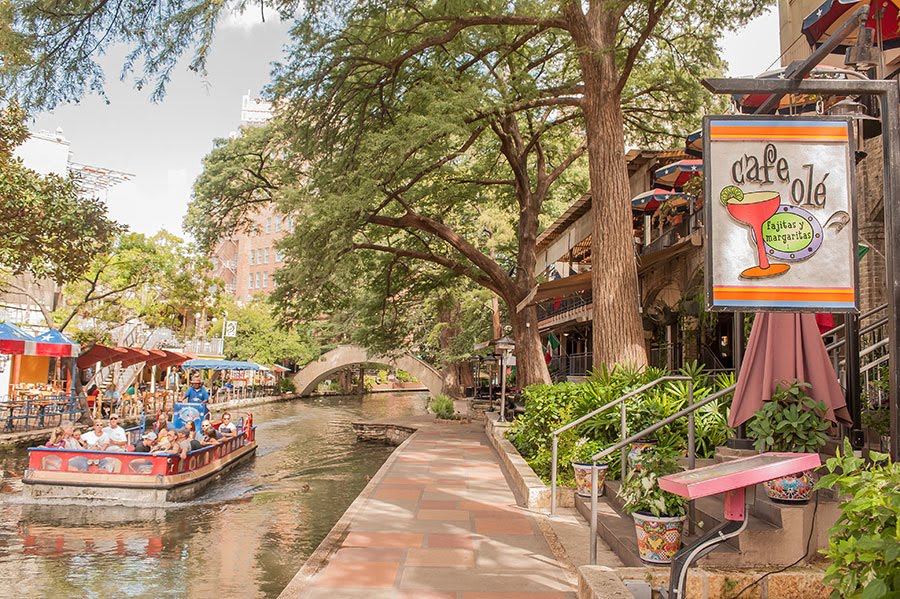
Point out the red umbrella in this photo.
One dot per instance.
(786, 346)
(649, 200)
(103, 354)
(56, 345)
(748, 103)
(831, 14)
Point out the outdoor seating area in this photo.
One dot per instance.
(25, 414)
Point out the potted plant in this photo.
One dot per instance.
(584, 450)
(658, 515)
(790, 421)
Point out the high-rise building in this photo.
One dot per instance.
(247, 259)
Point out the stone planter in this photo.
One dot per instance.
(583, 478)
(794, 488)
(658, 538)
(636, 452)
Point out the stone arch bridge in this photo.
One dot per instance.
(345, 356)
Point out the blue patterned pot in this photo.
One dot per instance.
(793, 488)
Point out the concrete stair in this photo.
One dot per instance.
(776, 534)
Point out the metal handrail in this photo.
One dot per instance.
(689, 412)
(624, 426)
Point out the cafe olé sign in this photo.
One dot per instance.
(780, 218)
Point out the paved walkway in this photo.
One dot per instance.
(438, 522)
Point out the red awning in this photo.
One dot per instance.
(134, 355)
(103, 354)
(172, 359)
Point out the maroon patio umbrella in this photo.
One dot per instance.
(785, 346)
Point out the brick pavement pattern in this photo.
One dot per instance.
(442, 523)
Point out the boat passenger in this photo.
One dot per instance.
(161, 422)
(210, 435)
(57, 439)
(74, 441)
(118, 440)
(184, 444)
(147, 442)
(227, 427)
(96, 439)
(196, 391)
(163, 443)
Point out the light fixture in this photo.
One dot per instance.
(861, 120)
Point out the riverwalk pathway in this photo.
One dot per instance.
(438, 521)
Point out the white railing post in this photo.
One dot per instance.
(553, 475)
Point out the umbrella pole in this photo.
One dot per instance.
(851, 351)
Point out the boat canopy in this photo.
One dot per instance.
(207, 364)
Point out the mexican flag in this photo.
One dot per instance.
(552, 343)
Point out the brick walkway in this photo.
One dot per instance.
(440, 522)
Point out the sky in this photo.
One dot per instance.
(162, 144)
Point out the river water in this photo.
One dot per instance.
(246, 537)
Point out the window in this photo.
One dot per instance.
(265, 280)
(251, 281)
(257, 281)
(278, 222)
(252, 257)
(267, 255)
(279, 257)
(290, 223)
(268, 225)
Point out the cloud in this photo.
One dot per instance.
(246, 19)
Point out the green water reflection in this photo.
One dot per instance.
(247, 537)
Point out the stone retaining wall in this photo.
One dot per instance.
(389, 434)
(530, 489)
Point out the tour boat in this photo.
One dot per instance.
(130, 477)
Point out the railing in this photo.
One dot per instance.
(674, 233)
(553, 308)
(689, 412)
(32, 414)
(620, 401)
(222, 395)
(207, 347)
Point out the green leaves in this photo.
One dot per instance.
(790, 421)
(641, 491)
(864, 544)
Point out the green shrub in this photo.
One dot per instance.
(442, 406)
(864, 543)
(790, 421)
(286, 385)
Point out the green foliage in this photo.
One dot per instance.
(46, 227)
(790, 421)
(287, 385)
(548, 407)
(641, 491)
(864, 543)
(585, 449)
(260, 337)
(442, 407)
(876, 412)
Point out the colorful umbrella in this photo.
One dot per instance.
(649, 200)
(56, 345)
(831, 14)
(693, 143)
(796, 103)
(677, 173)
(15, 341)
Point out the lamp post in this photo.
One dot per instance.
(504, 344)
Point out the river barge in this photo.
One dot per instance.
(129, 477)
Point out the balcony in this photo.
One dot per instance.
(559, 311)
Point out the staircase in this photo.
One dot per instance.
(776, 534)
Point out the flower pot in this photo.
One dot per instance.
(636, 452)
(658, 538)
(583, 478)
(793, 488)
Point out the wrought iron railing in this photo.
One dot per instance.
(556, 307)
(39, 413)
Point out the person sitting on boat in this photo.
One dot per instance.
(163, 443)
(147, 442)
(96, 439)
(193, 435)
(118, 440)
(74, 441)
(161, 423)
(57, 439)
(184, 443)
(227, 427)
(210, 435)
(196, 391)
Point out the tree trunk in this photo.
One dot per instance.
(617, 333)
(457, 376)
(531, 368)
(345, 382)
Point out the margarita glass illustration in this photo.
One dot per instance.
(753, 209)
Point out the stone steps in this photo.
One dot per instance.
(776, 534)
